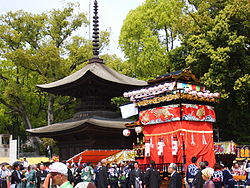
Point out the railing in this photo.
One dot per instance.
(162, 167)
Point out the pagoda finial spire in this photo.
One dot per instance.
(96, 37)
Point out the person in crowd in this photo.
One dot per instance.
(31, 177)
(217, 176)
(206, 175)
(25, 163)
(96, 171)
(130, 167)
(192, 169)
(175, 180)
(228, 180)
(70, 175)
(236, 169)
(41, 175)
(152, 176)
(24, 173)
(113, 174)
(136, 177)
(122, 176)
(102, 179)
(246, 168)
(87, 173)
(59, 175)
(4, 174)
(198, 180)
(77, 173)
(16, 178)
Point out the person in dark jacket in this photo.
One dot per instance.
(175, 180)
(198, 180)
(102, 180)
(152, 177)
(16, 177)
(41, 175)
(228, 180)
(136, 176)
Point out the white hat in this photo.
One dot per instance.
(59, 168)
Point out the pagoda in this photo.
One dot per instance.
(96, 124)
(176, 117)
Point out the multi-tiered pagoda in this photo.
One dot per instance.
(96, 124)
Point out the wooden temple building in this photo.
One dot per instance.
(96, 123)
(176, 117)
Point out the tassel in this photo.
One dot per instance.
(192, 139)
(151, 143)
(204, 139)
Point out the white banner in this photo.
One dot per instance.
(13, 151)
(128, 110)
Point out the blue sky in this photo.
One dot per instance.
(111, 12)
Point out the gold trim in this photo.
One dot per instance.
(178, 130)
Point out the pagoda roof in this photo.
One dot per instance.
(94, 76)
(183, 75)
(71, 125)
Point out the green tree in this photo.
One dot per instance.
(37, 49)
(148, 34)
(214, 45)
(218, 51)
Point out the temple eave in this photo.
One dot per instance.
(92, 74)
(87, 125)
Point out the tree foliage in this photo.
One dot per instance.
(218, 51)
(214, 45)
(148, 34)
(37, 49)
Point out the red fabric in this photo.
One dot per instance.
(204, 151)
(160, 114)
(92, 156)
(190, 112)
(195, 112)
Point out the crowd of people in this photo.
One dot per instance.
(220, 176)
(124, 175)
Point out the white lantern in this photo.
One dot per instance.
(210, 95)
(206, 95)
(138, 130)
(151, 89)
(125, 94)
(200, 94)
(194, 93)
(130, 94)
(187, 90)
(216, 95)
(126, 132)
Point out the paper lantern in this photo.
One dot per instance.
(161, 86)
(206, 95)
(210, 95)
(151, 89)
(138, 130)
(130, 94)
(200, 94)
(194, 93)
(125, 94)
(126, 132)
(187, 90)
(216, 95)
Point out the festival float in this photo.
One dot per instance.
(176, 116)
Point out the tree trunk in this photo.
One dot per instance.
(26, 119)
(50, 112)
